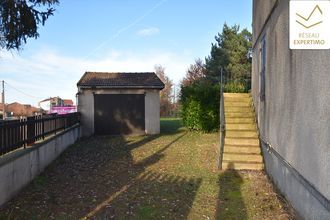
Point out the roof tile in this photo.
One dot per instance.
(120, 80)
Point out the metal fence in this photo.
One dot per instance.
(23, 132)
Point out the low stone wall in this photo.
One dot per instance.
(19, 168)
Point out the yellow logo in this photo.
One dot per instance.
(316, 8)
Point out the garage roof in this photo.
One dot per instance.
(121, 80)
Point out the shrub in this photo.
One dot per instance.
(200, 107)
(235, 87)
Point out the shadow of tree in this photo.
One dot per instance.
(99, 178)
(152, 195)
(171, 126)
(230, 203)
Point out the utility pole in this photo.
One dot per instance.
(174, 102)
(3, 101)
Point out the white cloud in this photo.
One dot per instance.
(48, 73)
(148, 31)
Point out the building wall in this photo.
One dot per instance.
(152, 112)
(86, 108)
(294, 119)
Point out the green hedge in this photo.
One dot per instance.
(200, 107)
(237, 86)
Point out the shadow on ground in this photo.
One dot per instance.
(230, 203)
(98, 178)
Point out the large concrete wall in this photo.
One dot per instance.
(295, 116)
(86, 108)
(17, 169)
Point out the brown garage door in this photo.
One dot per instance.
(119, 114)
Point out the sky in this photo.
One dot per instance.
(115, 36)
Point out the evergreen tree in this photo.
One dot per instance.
(230, 52)
(19, 20)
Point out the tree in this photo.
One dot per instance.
(20, 20)
(194, 73)
(166, 93)
(200, 89)
(230, 52)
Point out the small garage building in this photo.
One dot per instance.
(119, 103)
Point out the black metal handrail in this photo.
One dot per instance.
(24, 132)
(222, 123)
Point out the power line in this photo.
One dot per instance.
(24, 93)
(120, 31)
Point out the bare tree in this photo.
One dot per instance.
(165, 94)
(195, 72)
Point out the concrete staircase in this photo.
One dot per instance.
(242, 148)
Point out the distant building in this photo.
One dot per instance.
(1, 110)
(47, 104)
(16, 110)
(67, 102)
(290, 90)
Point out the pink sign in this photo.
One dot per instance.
(62, 110)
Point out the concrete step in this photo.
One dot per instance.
(239, 114)
(237, 95)
(238, 99)
(231, 109)
(242, 149)
(242, 141)
(241, 127)
(242, 157)
(242, 165)
(241, 134)
(247, 120)
(237, 104)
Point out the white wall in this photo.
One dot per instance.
(86, 108)
(152, 112)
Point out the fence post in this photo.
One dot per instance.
(43, 127)
(30, 130)
(55, 118)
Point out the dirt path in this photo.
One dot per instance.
(168, 176)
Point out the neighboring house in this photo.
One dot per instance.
(119, 103)
(21, 110)
(67, 102)
(291, 93)
(66, 108)
(62, 110)
(16, 110)
(1, 110)
(47, 104)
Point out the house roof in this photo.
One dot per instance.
(121, 80)
(67, 102)
(20, 109)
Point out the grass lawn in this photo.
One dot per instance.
(167, 176)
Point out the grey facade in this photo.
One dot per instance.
(291, 95)
(86, 96)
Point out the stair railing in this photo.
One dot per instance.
(222, 123)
